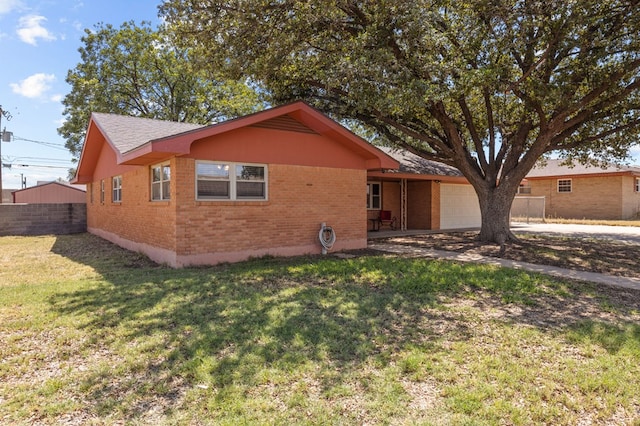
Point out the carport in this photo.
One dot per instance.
(422, 195)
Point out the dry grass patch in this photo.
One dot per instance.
(585, 254)
(112, 338)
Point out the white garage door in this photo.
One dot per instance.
(459, 207)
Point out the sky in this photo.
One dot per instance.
(39, 42)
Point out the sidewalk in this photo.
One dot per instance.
(626, 282)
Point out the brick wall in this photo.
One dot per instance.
(590, 197)
(42, 219)
(136, 218)
(300, 198)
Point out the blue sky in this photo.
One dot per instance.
(39, 43)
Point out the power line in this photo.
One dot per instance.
(48, 144)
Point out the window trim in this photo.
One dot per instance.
(163, 196)
(637, 184)
(566, 182)
(116, 189)
(102, 191)
(370, 196)
(233, 181)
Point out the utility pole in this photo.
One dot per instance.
(6, 137)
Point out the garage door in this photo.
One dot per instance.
(459, 207)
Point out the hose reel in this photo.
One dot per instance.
(327, 237)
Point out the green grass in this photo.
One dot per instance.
(91, 333)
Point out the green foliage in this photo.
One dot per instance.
(488, 87)
(136, 70)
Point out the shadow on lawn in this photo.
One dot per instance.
(235, 326)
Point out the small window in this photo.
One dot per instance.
(524, 188)
(564, 185)
(116, 193)
(160, 182)
(373, 196)
(638, 184)
(102, 192)
(230, 181)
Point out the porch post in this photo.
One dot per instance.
(403, 204)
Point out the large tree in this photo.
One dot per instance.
(487, 86)
(135, 70)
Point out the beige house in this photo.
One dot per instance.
(583, 192)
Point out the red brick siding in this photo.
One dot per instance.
(136, 218)
(590, 197)
(300, 198)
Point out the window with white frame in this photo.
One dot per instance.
(374, 195)
(102, 191)
(230, 181)
(638, 184)
(524, 188)
(116, 189)
(564, 185)
(160, 182)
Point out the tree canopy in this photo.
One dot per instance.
(486, 86)
(136, 70)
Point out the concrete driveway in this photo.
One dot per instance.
(626, 234)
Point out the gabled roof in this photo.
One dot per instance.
(555, 168)
(54, 182)
(126, 133)
(139, 141)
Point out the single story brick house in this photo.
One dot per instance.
(583, 192)
(50, 193)
(258, 185)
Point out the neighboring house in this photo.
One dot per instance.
(50, 193)
(258, 185)
(582, 192)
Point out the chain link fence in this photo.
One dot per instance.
(528, 209)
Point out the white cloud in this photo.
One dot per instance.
(33, 86)
(30, 29)
(7, 6)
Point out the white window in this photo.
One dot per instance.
(160, 182)
(524, 188)
(638, 184)
(564, 185)
(230, 181)
(116, 186)
(102, 192)
(373, 196)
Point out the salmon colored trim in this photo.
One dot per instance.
(181, 144)
(585, 175)
(170, 258)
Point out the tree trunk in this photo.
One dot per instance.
(495, 208)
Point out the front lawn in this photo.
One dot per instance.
(90, 333)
